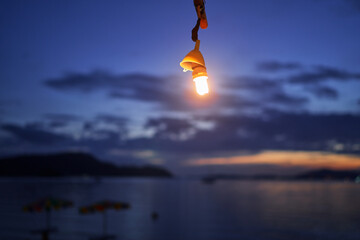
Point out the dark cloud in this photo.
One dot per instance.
(276, 66)
(170, 127)
(265, 92)
(273, 131)
(100, 143)
(310, 77)
(288, 131)
(171, 93)
(323, 91)
(168, 92)
(188, 101)
(35, 125)
(37, 137)
(166, 98)
(288, 100)
(57, 124)
(111, 119)
(47, 124)
(58, 120)
(323, 73)
(104, 128)
(118, 125)
(179, 138)
(33, 133)
(100, 80)
(88, 126)
(252, 83)
(237, 94)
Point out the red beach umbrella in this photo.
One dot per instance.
(102, 207)
(47, 205)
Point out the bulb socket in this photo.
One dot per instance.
(199, 71)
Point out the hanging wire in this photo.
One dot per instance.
(195, 30)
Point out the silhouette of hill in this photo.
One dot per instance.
(322, 174)
(327, 174)
(71, 164)
(212, 178)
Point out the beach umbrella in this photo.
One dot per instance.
(102, 207)
(47, 205)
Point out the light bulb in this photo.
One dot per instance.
(201, 85)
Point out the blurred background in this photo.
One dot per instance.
(94, 106)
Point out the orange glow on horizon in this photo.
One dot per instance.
(286, 158)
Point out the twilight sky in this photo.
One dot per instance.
(104, 77)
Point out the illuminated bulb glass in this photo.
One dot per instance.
(201, 85)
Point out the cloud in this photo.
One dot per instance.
(323, 91)
(172, 128)
(103, 128)
(175, 140)
(275, 130)
(33, 133)
(111, 119)
(127, 85)
(323, 73)
(276, 66)
(58, 120)
(242, 94)
(166, 98)
(57, 124)
(252, 83)
(310, 77)
(52, 121)
(278, 130)
(40, 137)
(172, 93)
(107, 125)
(167, 92)
(285, 99)
(265, 92)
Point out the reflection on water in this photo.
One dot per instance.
(188, 209)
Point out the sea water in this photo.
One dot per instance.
(187, 209)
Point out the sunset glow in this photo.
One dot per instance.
(286, 158)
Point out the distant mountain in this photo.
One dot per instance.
(212, 178)
(72, 164)
(327, 174)
(322, 174)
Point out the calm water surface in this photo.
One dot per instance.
(188, 210)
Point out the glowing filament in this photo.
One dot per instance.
(201, 85)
